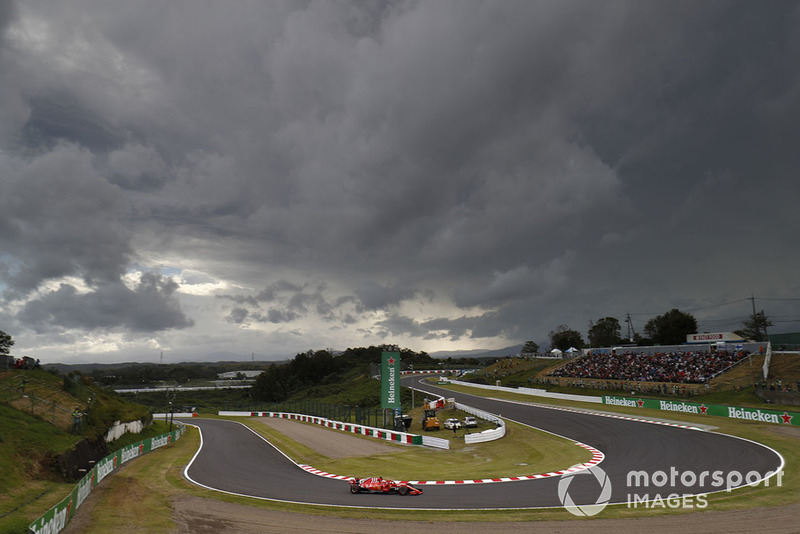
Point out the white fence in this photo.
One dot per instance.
(486, 435)
(479, 437)
(439, 443)
(534, 391)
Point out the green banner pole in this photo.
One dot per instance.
(390, 380)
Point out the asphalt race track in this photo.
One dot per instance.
(234, 459)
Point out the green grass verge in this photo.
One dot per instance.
(738, 499)
(137, 498)
(785, 440)
(523, 451)
(26, 445)
(166, 464)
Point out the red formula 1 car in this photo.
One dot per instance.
(382, 485)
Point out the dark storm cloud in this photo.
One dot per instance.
(238, 315)
(275, 290)
(501, 167)
(285, 302)
(149, 307)
(56, 118)
(485, 325)
(62, 219)
(373, 296)
(7, 15)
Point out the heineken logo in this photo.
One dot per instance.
(55, 523)
(624, 402)
(390, 383)
(105, 467)
(680, 407)
(84, 488)
(392, 388)
(159, 442)
(736, 412)
(129, 454)
(758, 415)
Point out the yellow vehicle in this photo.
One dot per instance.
(430, 421)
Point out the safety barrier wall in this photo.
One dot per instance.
(735, 412)
(56, 518)
(486, 435)
(378, 433)
(534, 392)
(438, 443)
(173, 415)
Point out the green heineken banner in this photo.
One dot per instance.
(57, 517)
(390, 380)
(748, 414)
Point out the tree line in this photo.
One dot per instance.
(670, 328)
(315, 368)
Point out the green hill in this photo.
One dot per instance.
(41, 451)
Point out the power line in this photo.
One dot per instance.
(701, 308)
(717, 305)
(710, 306)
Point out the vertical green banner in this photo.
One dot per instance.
(390, 380)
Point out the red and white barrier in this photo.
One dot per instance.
(372, 432)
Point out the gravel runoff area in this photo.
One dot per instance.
(334, 444)
(195, 515)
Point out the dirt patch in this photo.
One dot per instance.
(331, 443)
(790, 431)
(198, 515)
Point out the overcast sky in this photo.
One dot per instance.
(221, 179)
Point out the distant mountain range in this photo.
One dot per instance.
(235, 362)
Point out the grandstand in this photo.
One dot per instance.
(674, 369)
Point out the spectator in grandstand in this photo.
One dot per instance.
(675, 366)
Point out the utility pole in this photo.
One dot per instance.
(411, 368)
(755, 320)
(631, 331)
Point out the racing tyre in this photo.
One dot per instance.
(354, 488)
(402, 490)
